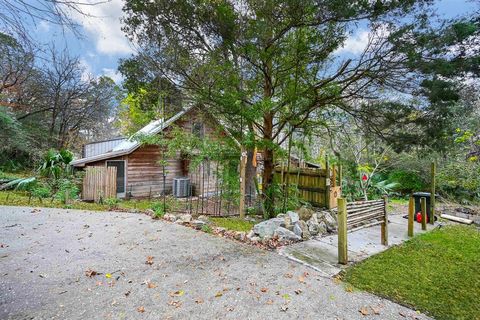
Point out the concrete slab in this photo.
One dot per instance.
(322, 253)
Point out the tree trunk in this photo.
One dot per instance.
(250, 174)
(268, 166)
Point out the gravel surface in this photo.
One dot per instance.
(45, 253)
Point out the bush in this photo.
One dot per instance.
(41, 191)
(407, 181)
(157, 208)
(459, 180)
(67, 190)
(112, 203)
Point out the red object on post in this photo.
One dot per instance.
(364, 177)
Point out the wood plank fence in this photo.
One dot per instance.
(359, 215)
(313, 185)
(99, 183)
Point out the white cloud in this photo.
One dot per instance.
(87, 72)
(114, 74)
(356, 43)
(44, 26)
(102, 22)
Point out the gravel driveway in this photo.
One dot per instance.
(45, 253)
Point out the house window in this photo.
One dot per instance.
(198, 130)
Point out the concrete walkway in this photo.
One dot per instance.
(322, 253)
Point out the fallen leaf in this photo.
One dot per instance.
(376, 310)
(364, 311)
(284, 308)
(175, 303)
(288, 275)
(402, 314)
(199, 300)
(90, 273)
(301, 279)
(286, 296)
(149, 260)
(349, 288)
(127, 293)
(298, 291)
(230, 308)
(269, 301)
(108, 275)
(151, 285)
(141, 309)
(264, 289)
(178, 293)
(218, 294)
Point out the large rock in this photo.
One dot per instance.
(301, 230)
(313, 226)
(267, 227)
(293, 216)
(329, 219)
(203, 218)
(185, 218)
(288, 223)
(170, 217)
(305, 213)
(198, 224)
(286, 235)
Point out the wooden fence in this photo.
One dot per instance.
(359, 215)
(99, 183)
(312, 184)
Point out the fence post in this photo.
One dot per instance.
(243, 164)
(384, 226)
(342, 231)
(327, 183)
(423, 203)
(411, 213)
(432, 195)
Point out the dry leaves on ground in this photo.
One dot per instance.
(90, 273)
(149, 260)
(178, 293)
(175, 303)
(141, 309)
(151, 285)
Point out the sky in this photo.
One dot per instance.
(102, 42)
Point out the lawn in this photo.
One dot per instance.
(437, 273)
(20, 198)
(235, 224)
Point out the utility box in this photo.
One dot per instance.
(181, 187)
(418, 207)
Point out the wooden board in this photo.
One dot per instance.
(99, 183)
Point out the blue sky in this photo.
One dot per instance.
(103, 43)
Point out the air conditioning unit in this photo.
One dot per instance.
(181, 187)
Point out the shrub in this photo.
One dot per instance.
(407, 181)
(41, 191)
(67, 190)
(157, 208)
(112, 203)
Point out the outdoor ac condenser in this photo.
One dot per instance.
(181, 187)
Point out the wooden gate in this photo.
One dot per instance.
(99, 183)
(312, 184)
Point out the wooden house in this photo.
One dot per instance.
(140, 172)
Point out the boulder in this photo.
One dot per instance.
(305, 213)
(293, 216)
(251, 234)
(322, 228)
(286, 235)
(203, 218)
(185, 217)
(313, 226)
(170, 217)
(198, 224)
(329, 219)
(288, 223)
(301, 230)
(239, 235)
(281, 215)
(267, 228)
(150, 212)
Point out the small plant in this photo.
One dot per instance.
(112, 203)
(41, 191)
(67, 190)
(158, 211)
(206, 228)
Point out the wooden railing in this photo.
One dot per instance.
(359, 215)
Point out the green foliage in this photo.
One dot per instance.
(206, 228)
(459, 180)
(112, 203)
(157, 208)
(25, 184)
(425, 271)
(67, 190)
(41, 191)
(235, 224)
(56, 164)
(406, 181)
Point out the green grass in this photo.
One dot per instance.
(235, 224)
(20, 198)
(437, 273)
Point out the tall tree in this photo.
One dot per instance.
(267, 66)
